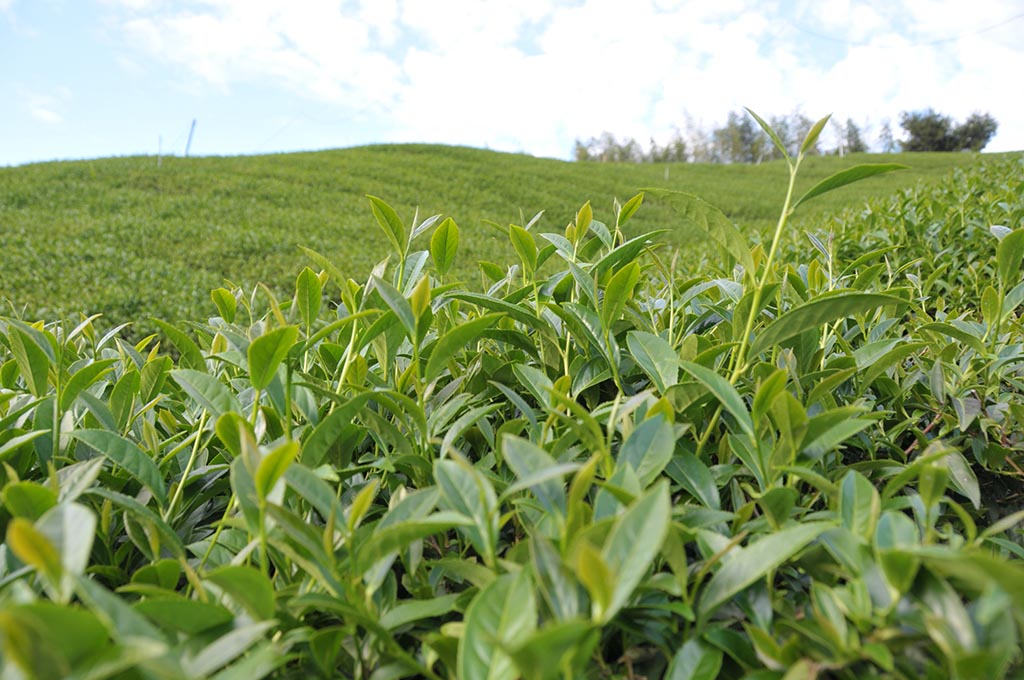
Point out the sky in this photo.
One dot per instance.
(97, 78)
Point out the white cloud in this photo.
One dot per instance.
(535, 74)
(46, 107)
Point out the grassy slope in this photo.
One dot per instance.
(130, 239)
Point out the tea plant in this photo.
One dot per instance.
(593, 467)
(132, 239)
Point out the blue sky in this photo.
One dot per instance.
(92, 78)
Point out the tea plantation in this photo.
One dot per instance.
(792, 453)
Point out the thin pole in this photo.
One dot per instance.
(191, 131)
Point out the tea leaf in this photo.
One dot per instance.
(308, 295)
(126, 454)
(444, 243)
(819, 312)
(267, 352)
(618, 292)
(389, 222)
(501, 617)
(742, 567)
(848, 176)
(458, 338)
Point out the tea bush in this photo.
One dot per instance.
(596, 467)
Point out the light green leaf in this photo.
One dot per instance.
(444, 243)
(772, 135)
(388, 220)
(459, 338)
(209, 392)
(859, 505)
(501, 616)
(408, 611)
(525, 246)
(191, 355)
(819, 312)
(812, 135)
(848, 176)
(247, 587)
(28, 499)
(618, 291)
(1009, 254)
(83, 378)
(308, 295)
(695, 660)
(267, 352)
(655, 357)
(33, 362)
(272, 467)
(724, 392)
(126, 454)
(634, 542)
(225, 302)
(398, 304)
(629, 209)
(742, 567)
(648, 449)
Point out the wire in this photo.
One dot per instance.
(923, 43)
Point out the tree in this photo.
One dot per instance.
(976, 132)
(931, 131)
(885, 140)
(852, 140)
(928, 131)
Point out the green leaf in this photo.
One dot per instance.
(191, 355)
(501, 616)
(385, 541)
(272, 467)
(695, 660)
(529, 462)
(126, 454)
(629, 209)
(398, 304)
(466, 491)
(714, 223)
(724, 392)
(648, 449)
(444, 243)
(655, 356)
(247, 587)
(813, 134)
(33, 362)
(34, 549)
(545, 653)
(860, 505)
(83, 378)
(694, 476)
(308, 295)
(28, 499)
(225, 302)
(388, 220)
(743, 566)
(49, 640)
(451, 343)
(408, 611)
(819, 312)
(267, 352)
(618, 291)
(634, 542)
(180, 614)
(1009, 254)
(772, 135)
(331, 429)
(209, 392)
(525, 246)
(848, 176)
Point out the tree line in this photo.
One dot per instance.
(741, 140)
